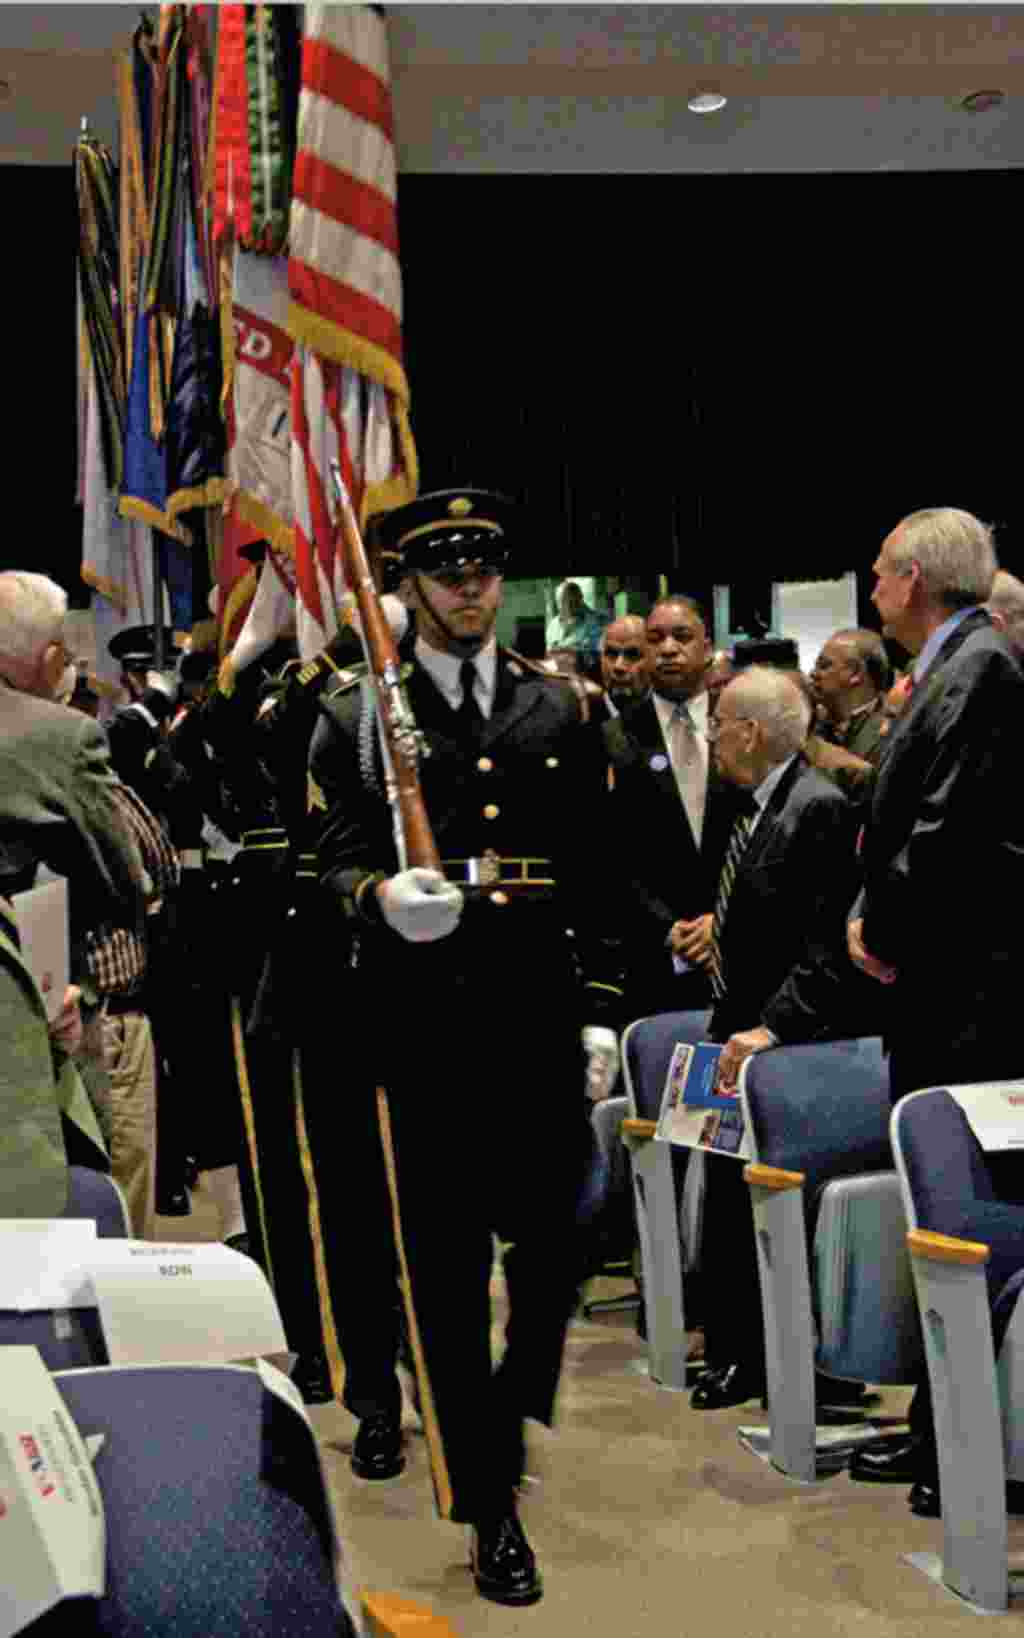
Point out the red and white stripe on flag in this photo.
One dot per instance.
(350, 397)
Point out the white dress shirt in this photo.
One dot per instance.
(687, 747)
(444, 669)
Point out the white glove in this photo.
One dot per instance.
(420, 905)
(602, 1048)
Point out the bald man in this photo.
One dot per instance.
(626, 662)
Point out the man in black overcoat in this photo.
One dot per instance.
(943, 857)
(473, 990)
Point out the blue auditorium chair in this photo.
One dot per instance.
(71, 1337)
(967, 1255)
(657, 1170)
(823, 1178)
(606, 1209)
(217, 1518)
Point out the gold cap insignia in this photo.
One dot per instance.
(459, 507)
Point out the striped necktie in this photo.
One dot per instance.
(739, 840)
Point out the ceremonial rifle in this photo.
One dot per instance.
(404, 742)
(404, 745)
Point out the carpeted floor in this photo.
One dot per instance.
(649, 1520)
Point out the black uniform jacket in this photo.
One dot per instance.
(529, 787)
(943, 851)
(784, 937)
(665, 877)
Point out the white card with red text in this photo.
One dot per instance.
(52, 1529)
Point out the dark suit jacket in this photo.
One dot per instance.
(784, 938)
(662, 875)
(943, 862)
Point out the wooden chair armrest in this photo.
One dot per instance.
(639, 1130)
(772, 1177)
(945, 1248)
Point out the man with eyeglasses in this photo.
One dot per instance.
(775, 959)
(478, 1000)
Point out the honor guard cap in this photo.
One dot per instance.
(136, 648)
(449, 529)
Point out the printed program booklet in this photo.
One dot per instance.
(694, 1114)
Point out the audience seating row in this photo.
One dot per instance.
(217, 1515)
(860, 1214)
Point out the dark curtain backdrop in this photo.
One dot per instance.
(724, 378)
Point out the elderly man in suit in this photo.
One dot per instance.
(56, 781)
(947, 948)
(674, 813)
(1006, 607)
(775, 955)
(62, 805)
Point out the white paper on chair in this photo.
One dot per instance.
(43, 1263)
(52, 1528)
(995, 1113)
(42, 917)
(180, 1305)
(694, 1114)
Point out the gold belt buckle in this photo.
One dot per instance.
(489, 868)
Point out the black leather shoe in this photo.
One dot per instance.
(312, 1377)
(377, 1452)
(504, 1568)
(724, 1386)
(893, 1459)
(830, 1390)
(926, 1501)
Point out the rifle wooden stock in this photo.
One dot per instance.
(399, 729)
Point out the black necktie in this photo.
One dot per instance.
(738, 842)
(469, 717)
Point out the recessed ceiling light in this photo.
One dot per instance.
(706, 102)
(981, 102)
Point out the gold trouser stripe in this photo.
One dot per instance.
(431, 1427)
(249, 1118)
(335, 1363)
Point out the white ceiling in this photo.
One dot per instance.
(578, 88)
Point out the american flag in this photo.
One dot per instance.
(349, 392)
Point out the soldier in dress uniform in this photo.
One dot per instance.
(480, 994)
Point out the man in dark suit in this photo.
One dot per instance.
(482, 994)
(775, 958)
(943, 856)
(673, 813)
(625, 663)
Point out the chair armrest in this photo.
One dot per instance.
(945, 1248)
(638, 1131)
(772, 1177)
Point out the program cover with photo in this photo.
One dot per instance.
(694, 1113)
